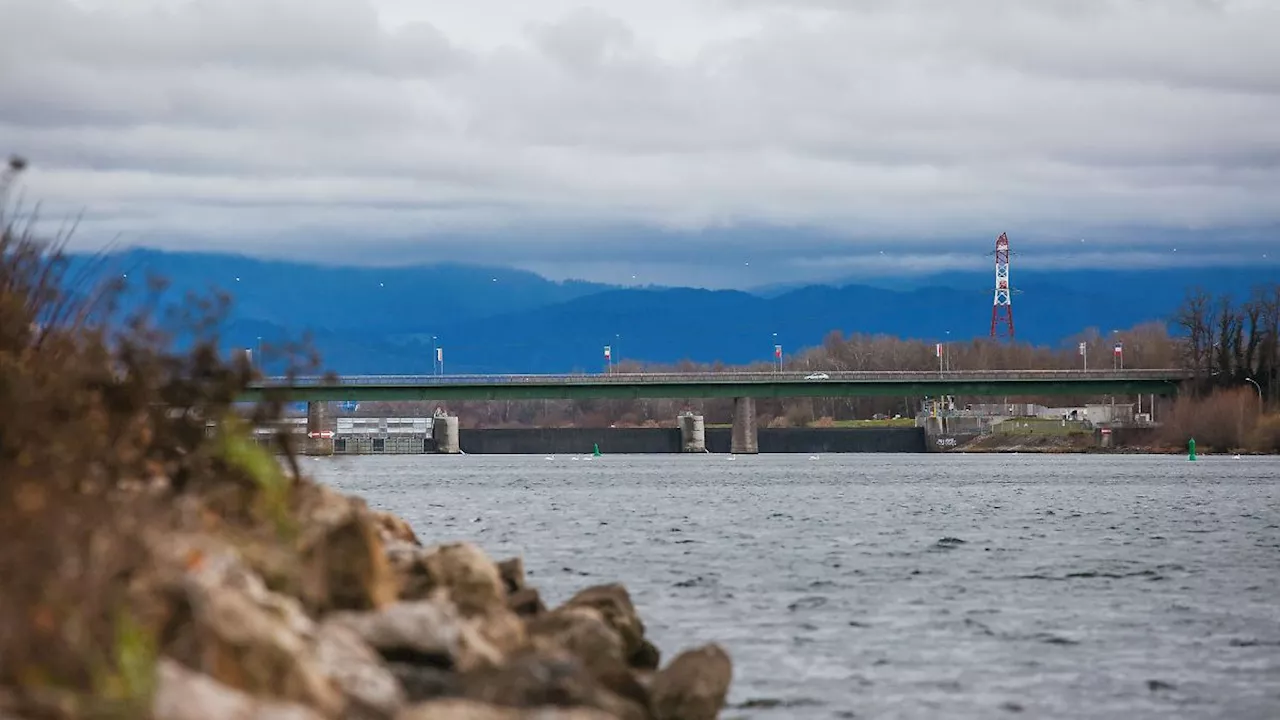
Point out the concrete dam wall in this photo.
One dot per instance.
(562, 441)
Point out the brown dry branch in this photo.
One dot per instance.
(101, 425)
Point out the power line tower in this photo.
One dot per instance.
(1002, 308)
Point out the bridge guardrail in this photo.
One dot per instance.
(732, 377)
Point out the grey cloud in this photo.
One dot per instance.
(277, 120)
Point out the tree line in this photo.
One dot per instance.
(1230, 342)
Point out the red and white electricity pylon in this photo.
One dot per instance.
(1002, 309)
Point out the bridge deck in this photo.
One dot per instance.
(726, 384)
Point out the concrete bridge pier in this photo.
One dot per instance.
(744, 440)
(693, 433)
(320, 429)
(444, 430)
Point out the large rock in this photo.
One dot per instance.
(470, 578)
(538, 678)
(457, 709)
(427, 633)
(344, 559)
(615, 606)
(230, 627)
(526, 602)
(583, 632)
(693, 686)
(394, 529)
(185, 695)
(227, 624)
(511, 571)
(373, 692)
(459, 570)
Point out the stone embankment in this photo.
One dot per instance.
(356, 618)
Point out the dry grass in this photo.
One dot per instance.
(1221, 421)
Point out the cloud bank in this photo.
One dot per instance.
(670, 133)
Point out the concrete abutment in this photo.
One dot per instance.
(745, 439)
(444, 431)
(320, 429)
(693, 433)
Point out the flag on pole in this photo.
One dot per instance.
(777, 351)
(439, 354)
(608, 352)
(1082, 348)
(1119, 349)
(939, 349)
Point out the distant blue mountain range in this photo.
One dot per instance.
(496, 320)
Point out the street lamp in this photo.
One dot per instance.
(1257, 387)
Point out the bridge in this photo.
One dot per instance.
(724, 385)
(742, 387)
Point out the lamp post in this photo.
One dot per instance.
(259, 356)
(435, 356)
(1257, 387)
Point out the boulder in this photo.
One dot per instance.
(614, 604)
(373, 692)
(344, 563)
(582, 632)
(512, 573)
(693, 686)
(526, 602)
(459, 570)
(427, 633)
(646, 657)
(542, 677)
(468, 575)
(181, 694)
(227, 625)
(394, 529)
(457, 709)
(421, 682)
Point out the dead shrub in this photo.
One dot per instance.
(1221, 421)
(1265, 437)
(102, 425)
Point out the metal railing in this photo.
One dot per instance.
(762, 377)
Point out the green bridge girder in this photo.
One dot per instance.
(726, 385)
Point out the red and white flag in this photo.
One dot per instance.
(939, 349)
(607, 352)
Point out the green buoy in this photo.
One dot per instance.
(596, 451)
(1191, 449)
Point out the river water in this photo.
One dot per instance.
(900, 586)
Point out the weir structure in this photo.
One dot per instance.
(742, 387)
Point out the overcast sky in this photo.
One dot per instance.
(701, 141)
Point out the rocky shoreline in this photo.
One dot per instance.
(330, 610)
